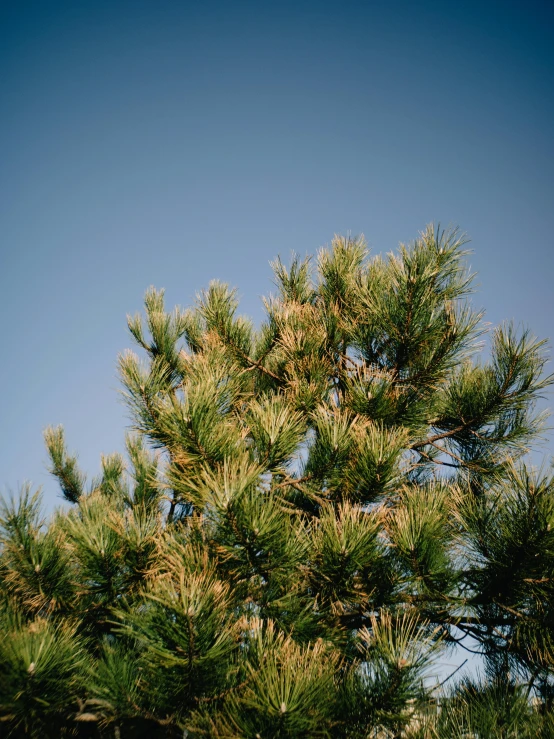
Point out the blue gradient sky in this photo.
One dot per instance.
(169, 143)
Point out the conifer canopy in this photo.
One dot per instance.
(310, 517)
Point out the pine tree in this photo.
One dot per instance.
(309, 516)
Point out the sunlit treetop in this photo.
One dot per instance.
(311, 514)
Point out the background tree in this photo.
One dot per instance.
(310, 514)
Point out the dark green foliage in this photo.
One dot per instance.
(41, 674)
(309, 517)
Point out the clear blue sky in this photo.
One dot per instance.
(169, 143)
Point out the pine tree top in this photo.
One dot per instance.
(309, 514)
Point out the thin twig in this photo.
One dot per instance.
(452, 673)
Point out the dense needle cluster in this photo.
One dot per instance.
(310, 515)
